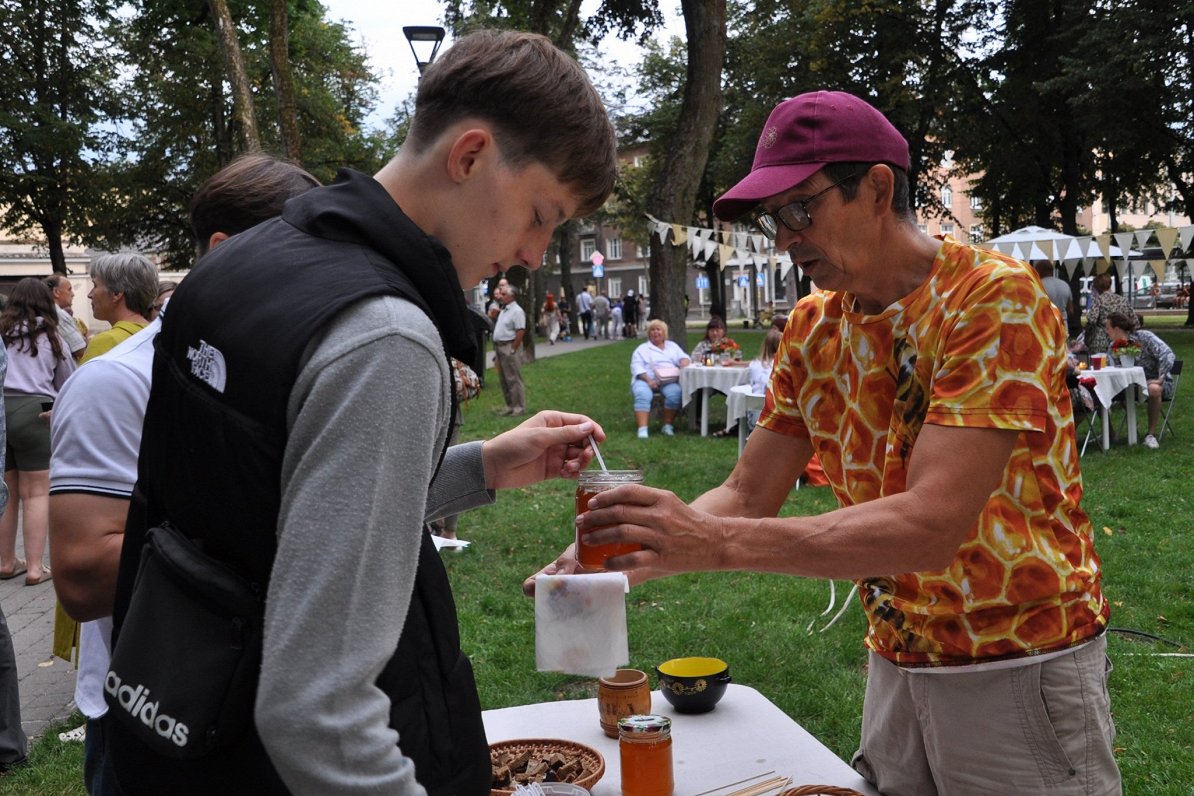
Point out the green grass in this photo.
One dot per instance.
(758, 622)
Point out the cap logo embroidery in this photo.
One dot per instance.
(770, 136)
(207, 365)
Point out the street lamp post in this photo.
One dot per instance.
(428, 37)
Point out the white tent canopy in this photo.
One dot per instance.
(1039, 243)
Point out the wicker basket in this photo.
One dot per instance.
(593, 761)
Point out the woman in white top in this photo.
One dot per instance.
(655, 367)
(39, 362)
(760, 370)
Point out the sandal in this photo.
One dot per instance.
(18, 568)
(726, 432)
(45, 575)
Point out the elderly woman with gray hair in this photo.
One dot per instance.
(124, 287)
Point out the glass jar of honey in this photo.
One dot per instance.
(645, 751)
(588, 484)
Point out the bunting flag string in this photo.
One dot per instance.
(1093, 254)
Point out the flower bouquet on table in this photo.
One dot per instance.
(725, 350)
(1125, 352)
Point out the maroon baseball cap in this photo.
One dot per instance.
(805, 133)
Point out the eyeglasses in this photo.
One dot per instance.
(794, 216)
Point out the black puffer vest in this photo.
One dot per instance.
(230, 350)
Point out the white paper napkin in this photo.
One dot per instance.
(448, 544)
(580, 623)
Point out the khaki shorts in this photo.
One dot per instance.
(1033, 729)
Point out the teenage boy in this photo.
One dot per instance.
(296, 424)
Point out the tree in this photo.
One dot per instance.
(674, 195)
(55, 88)
(180, 128)
(279, 61)
(234, 62)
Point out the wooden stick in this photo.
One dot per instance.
(732, 784)
(763, 787)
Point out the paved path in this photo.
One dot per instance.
(48, 683)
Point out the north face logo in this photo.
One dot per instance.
(207, 365)
(136, 702)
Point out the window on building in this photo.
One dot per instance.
(642, 286)
(947, 229)
(587, 247)
(947, 196)
(615, 286)
(641, 252)
(976, 233)
(976, 203)
(613, 247)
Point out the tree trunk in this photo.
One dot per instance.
(234, 62)
(279, 62)
(673, 198)
(566, 237)
(53, 232)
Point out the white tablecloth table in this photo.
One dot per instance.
(739, 401)
(745, 735)
(706, 380)
(1110, 382)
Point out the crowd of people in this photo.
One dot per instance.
(309, 398)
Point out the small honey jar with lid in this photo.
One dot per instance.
(645, 751)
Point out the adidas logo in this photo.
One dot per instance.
(207, 365)
(136, 702)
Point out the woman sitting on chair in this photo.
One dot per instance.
(655, 368)
(1156, 357)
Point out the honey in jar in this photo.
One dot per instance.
(592, 482)
(645, 751)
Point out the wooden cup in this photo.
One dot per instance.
(626, 693)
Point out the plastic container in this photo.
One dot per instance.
(645, 751)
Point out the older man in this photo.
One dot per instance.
(73, 331)
(508, 331)
(929, 376)
(124, 287)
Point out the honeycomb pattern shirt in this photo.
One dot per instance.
(977, 345)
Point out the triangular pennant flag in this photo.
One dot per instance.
(710, 248)
(679, 235)
(760, 243)
(1141, 236)
(1121, 266)
(660, 229)
(725, 252)
(1104, 250)
(1051, 248)
(1158, 269)
(1124, 241)
(1187, 235)
(1166, 237)
(1015, 252)
(1074, 250)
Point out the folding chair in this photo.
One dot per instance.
(1142, 400)
(1176, 373)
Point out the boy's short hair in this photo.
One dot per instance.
(249, 190)
(540, 101)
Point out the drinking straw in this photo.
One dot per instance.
(597, 453)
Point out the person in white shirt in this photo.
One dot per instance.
(655, 367)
